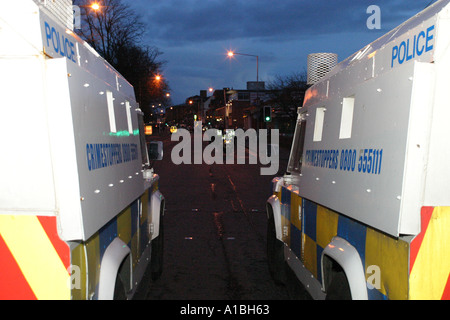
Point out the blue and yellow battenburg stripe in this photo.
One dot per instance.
(308, 228)
(131, 226)
(36, 264)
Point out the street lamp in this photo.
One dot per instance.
(231, 54)
(95, 6)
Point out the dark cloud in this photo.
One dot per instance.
(184, 21)
(195, 34)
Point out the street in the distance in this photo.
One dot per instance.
(215, 233)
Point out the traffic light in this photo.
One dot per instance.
(267, 114)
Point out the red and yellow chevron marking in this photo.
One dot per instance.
(33, 259)
(430, 256)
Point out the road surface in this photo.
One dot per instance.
(215, 233)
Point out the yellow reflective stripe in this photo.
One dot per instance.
(327, 226)
(93, 262)
(310, 254)
(124, 225)
(36, 256)
(296, 207)
(285, 230)
(144, 200)
(390, 256)
(432, 266)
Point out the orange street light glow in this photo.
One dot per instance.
(158, 77)
(95, 6)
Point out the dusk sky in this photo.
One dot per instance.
(194, 36)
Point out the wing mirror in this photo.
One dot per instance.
(155, 150)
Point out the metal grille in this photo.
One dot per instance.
(319, 64)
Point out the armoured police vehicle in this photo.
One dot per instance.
(364, 209)
(80, 208)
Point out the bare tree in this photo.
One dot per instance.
(140, 66)
(287, 92)
(116, 32)
(109, 28)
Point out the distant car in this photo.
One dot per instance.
(173, 129)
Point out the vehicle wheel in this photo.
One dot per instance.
(157, 252)
(275, 254)
(119, 290)
(339, 288)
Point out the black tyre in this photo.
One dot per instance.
(119, 290)
(157, 252)
(339, 288)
